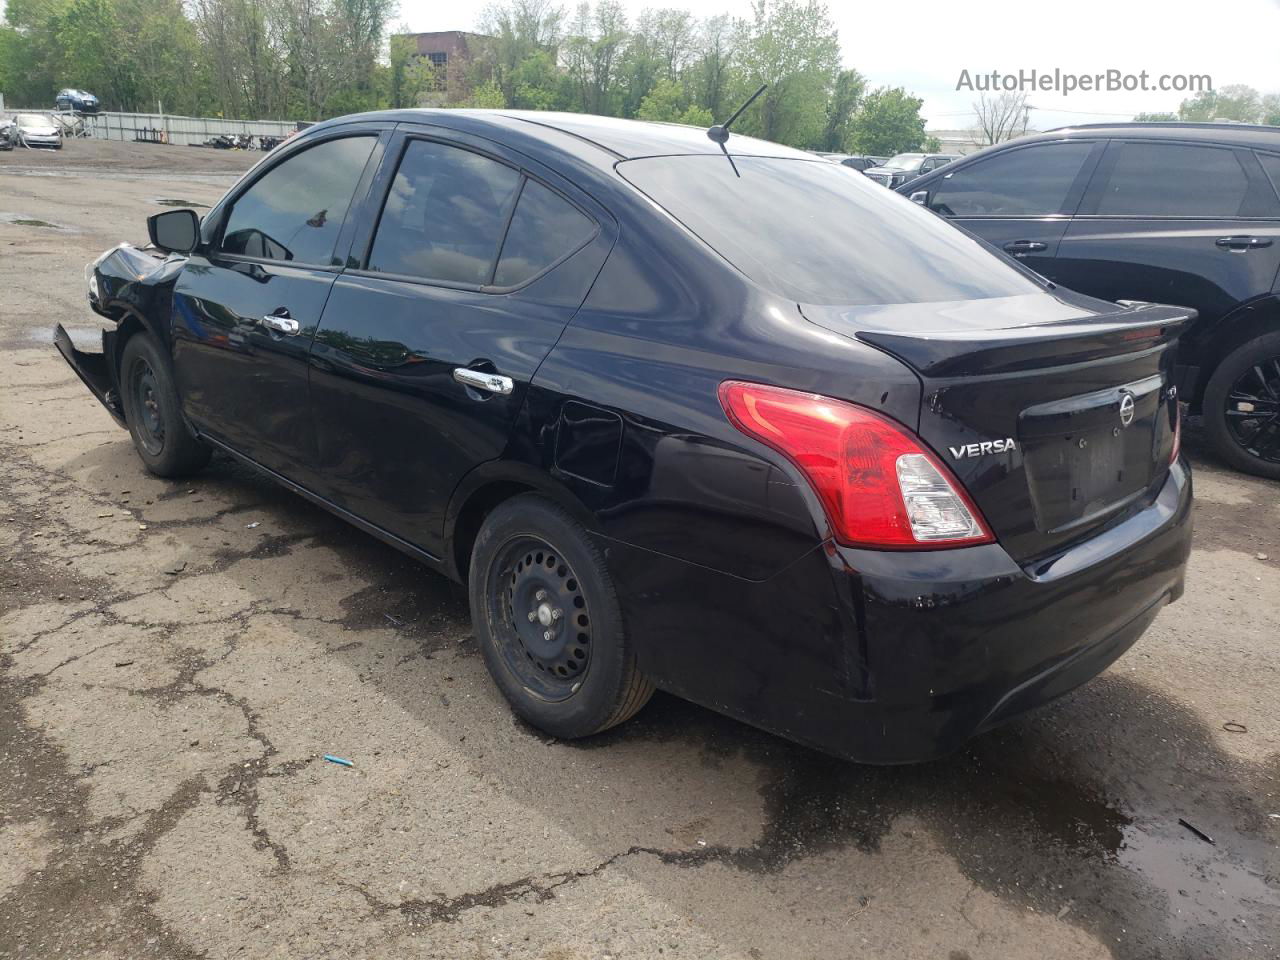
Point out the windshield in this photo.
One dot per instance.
(810, 232)
(34, 120)
(905, 161)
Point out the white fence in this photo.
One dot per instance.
(179, 130)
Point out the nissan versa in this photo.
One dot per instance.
(711, 417)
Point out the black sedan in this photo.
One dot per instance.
(1185, 213)
(734, 424)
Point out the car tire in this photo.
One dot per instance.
(1236, 379)
(153, 412)
(571, 673)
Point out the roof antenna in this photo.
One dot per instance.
(720, 132)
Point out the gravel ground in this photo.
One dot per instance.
(175, 658)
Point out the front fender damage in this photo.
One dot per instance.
(126, 285)
(95, 370)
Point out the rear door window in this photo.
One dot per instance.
(1271, 164)
(1173, 180)
(811, 232)
(296, 210)
(545, 228)
(1028, 182)
(445, 215)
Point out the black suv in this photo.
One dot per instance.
(1171, 213)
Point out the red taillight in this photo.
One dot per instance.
(1177, 432)
(879, 486)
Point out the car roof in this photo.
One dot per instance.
(1236, 134)
(617, 139)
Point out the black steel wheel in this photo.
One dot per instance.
(153, 412)
(546, 617)
(1242, 407)
(141, 379)
(542, 608)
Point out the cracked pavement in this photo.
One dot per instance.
(176, 658)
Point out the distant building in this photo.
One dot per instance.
(449, 52)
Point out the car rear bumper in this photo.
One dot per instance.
(900, 657)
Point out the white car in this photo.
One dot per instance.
(39, 130)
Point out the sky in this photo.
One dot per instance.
(923, 45)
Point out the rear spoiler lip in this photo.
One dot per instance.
(93, 369)
(948, 353)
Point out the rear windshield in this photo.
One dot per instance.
(813, 233)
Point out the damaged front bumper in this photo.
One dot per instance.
(96, 370)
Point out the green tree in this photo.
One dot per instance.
(488, 96)
(593, 52)
(1237, 102)
(711, 73)
(845, 97)
(526, 37)
(410, 75)
(888, 123)
(667, 102)
(793, 48)
(931, 144)
(1270, 110)
(1155, 117)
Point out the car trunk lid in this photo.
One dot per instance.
(1055, 414)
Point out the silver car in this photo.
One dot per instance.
(8, 133)
(39, 130)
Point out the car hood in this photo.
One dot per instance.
(886, 171)
(39, 131)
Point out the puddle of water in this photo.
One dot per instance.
(21, 220)
(1201, 884)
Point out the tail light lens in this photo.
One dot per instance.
(879, 486)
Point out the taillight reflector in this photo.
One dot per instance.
(879, 485)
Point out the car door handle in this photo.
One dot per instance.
(1243, 243)
(1022, 247)
(489, 382)
(281, 322)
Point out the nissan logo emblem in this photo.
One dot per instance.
(1126, 410)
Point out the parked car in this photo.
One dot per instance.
(1170, 212)
(38, 130)
(905, 167)
(8, 133)
(857, 162)
(76, 100)
(736, 425)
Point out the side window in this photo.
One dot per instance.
(1271, 163)
(295, 211)
(1173, 180)
(1028, 182)
(444, 216)
(545, 228)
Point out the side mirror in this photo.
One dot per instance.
(174, 231)
(921, 197)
